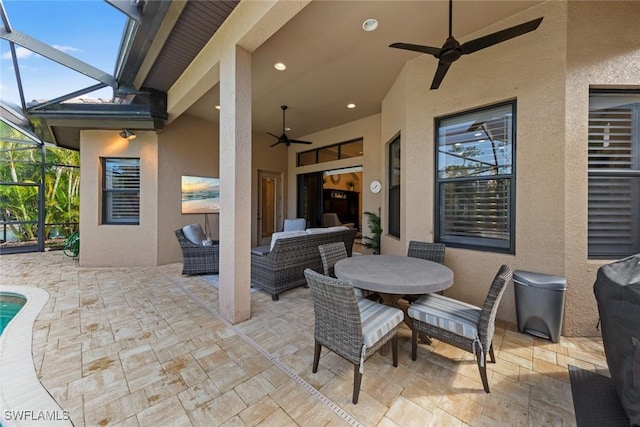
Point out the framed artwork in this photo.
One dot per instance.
(200, 195)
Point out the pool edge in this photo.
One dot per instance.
(23, 399)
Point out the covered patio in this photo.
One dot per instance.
(133, 346)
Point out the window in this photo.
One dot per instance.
(344, 150)
(121, 191)
(475, 189)
(614, 174)
(394, 187)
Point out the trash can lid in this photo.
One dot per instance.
(540, 280)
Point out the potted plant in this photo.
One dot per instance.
(350, 184)
(373, 242)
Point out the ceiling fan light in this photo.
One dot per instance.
(370, 24)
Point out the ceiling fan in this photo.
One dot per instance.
(451, 50)
(284, 139)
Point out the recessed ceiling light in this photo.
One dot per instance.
(279, 66)
(287, 129)
(351, 105)
(370, 24)
(477, 134)
(217, 107)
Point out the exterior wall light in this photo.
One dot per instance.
(127, 134)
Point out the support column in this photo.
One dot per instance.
(235, 185)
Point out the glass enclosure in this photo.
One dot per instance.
(39, 193)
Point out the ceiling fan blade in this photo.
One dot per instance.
(435, 51)
(443, 67)
(275, 136)
(275, 143)
(297, 141)
(499, 37)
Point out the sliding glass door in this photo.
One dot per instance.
(310, 198)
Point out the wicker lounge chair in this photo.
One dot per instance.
(198, 259)
(462, 325)
(353, 328)
(332, 220)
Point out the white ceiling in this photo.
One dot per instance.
(331, 61)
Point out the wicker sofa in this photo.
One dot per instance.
(281, 267)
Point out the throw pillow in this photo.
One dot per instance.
(194, 234)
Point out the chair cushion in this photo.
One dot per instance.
(285, 234)
(295, 224)
(261, 250)
(318, 230)
(447, 313)
(194, 233)
(377, 320)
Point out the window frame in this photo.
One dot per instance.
(107, 192)
(597, 176)
(339, 155)
(487, 244)
(394, 221)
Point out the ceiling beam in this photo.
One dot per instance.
(128, 7)
(60, 57)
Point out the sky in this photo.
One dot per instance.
(89, 30)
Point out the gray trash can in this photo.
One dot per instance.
(539, 303)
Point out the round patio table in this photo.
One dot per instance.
(393, 276)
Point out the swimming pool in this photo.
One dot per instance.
(10, 305)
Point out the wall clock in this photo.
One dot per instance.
(375, 186)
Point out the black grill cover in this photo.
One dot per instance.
(617, 290)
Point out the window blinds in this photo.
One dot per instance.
(614, 176)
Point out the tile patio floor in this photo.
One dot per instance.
(146, 347)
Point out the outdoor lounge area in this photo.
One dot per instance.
(144, 346)
(196, 156)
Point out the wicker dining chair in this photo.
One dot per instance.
(462, 325)
(331, 253)
(353, 328)
(425, 250)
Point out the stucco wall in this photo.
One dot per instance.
(369, 130)
(188, 146)
(549, 73)
(529, 69)
(117, 245)
(603, 51)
